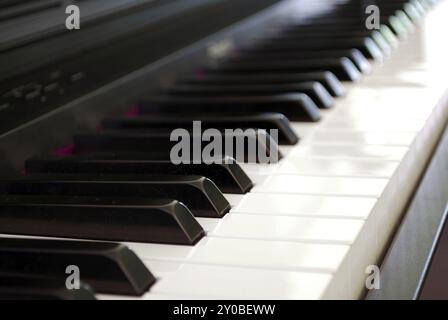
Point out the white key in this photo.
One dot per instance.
(376, 114)
(163, 252)
(306, 205)
(250, 253)
(213, 282)
(343, 124)
(304, 129)
(285, 150)
(258, 177)
(161, 269)
(376, 104)
(348, 152)
(362, 138)
(368, 187)
(234, 199)
(208, 224)
(304, 229)
(263, 169)
(338, 167)
(270, 254)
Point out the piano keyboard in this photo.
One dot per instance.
(306, 227)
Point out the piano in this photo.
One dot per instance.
(357, 187)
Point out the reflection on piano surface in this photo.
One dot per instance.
(85, 124)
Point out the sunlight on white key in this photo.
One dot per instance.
(363, 138)
(208, 224)
(285, 150)
(376, 104)
(426, 77)
(306, 205)
(263, 169)
(393, 96)
(240, 283)
(372, 187)
(163, 251)
(258, 177)
(377, 114)
(347, 152)
(270, 254)
(233, 199)
(161, 268)
(405, 125)
(342, 231)
(338, 167)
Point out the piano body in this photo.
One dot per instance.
(360, 186)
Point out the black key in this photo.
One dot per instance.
(107, 267)
(376, 36)
(327, 79)
(366, 45)
(4, 106)
(136, 220)
(342, 68)
(344, 30)
(320, 96)
(9, 3)
(311, 31)
(25, 287)
(199, 194)
(220, 121)
(27, 9)
(383, 34)
(297, 107)
(332, 27)
(387, 6)
(246, 146)
(354, 55)
(357, 19)
(398, 24)
(229, 177)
